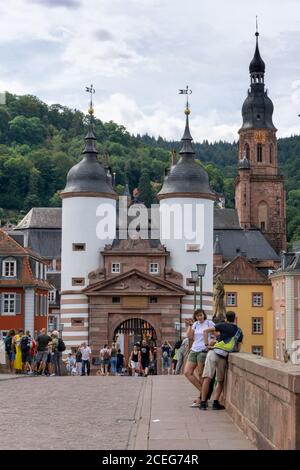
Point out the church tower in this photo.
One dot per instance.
(259, 188)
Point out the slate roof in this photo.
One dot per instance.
(89, 175)
(249, 243)
(41, 217)
(47, 243)
(257, 65)
(9, 246)
(257, 109)
(50, 218)
(187, 176)
(54, 279)
(226, 219)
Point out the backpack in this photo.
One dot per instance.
(25, 344)
(61, 345)
(78, 356)
(105, 354)
(223, 348)
(7, 343)
(165, 354)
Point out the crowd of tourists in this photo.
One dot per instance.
(211, 344)
(142, 360)
(28, 355)
(204, 362)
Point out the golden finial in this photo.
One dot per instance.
(90, 90)
(187, 92)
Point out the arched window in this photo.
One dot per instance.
(247, 150)
(259, 153)
(263, 216)
(271, 153)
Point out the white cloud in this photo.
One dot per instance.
(138, 53)
(159, 121)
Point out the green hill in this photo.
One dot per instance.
(40, 143)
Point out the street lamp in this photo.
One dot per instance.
(194, 276)
(201, 272)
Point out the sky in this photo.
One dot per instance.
(139, 53)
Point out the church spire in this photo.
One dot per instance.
(90, 139)
(187, 148)
(187, 178)
(89, 176)
(257, 65)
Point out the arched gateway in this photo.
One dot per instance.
(133, 331)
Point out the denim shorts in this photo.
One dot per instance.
(166, 362)
(12, 356)
(197, 357)
(41, 356)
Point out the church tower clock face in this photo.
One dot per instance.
(259, 137)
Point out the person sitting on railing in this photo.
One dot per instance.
(228, 340)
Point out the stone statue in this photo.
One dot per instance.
(218, 296)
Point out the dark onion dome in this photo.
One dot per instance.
(89, 175)
(257, 110)
(187, 177)
(257, 65)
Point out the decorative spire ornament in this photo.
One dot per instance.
(90, 89)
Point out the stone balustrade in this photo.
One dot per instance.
(263, 398)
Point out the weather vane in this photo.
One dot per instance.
(187, 92)
(90, 89)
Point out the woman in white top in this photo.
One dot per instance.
(197, 354)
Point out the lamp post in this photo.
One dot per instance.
(61, 327)
(194, 276)
(201, 272)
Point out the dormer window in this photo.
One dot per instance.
(52, 296)
(153, 268)
(9, 267)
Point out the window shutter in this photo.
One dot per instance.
(18, 304)
(0, 304)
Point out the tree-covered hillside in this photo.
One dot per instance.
(40, 143)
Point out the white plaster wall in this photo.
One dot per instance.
(180, 259)
(79, 223)
(29, 311)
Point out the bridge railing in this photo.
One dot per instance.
(263, 398)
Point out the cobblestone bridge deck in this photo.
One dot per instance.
(110, 413)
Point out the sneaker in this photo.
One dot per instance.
(195, 405)
(52, 375)
(203, 405)
(217, 406)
